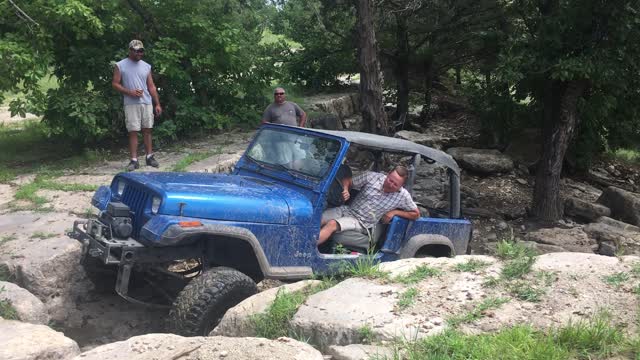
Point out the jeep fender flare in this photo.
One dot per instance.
(411, 248)
(176, 234)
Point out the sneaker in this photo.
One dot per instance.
(133, 164)
(151, 161)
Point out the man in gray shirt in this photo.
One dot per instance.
(132, 78)
(283, 112)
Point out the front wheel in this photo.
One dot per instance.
(201, 304)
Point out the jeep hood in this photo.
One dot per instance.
(218, 196)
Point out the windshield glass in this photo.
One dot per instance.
(306, 154)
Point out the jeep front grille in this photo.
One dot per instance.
(136, 198)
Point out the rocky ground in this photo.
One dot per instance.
(36, 254)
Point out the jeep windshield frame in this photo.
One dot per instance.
(299, 154)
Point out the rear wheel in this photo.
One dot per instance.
(201, 304)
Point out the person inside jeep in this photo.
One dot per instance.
(338, 193)
(380, 198)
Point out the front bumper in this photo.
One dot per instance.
(95, 244)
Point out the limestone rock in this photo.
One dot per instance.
(484, 161)
(29, 308)
(22, 341)
(543, 248)
(237, 320)
(360, 352)
(624, 205)
(169, 346)
(336, 315)
(618, 224)
(327, 121)
(572, 239)
(434, 141)
(628, 240)
(585, 210)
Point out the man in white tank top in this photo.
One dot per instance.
(132, 78)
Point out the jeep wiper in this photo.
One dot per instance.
(263, 164)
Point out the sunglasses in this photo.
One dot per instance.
(278, 93)
(139, 51)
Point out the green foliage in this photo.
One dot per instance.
(42, 235)
(478, 312)
(183, 163)
(274, 323)
(366, 334)
(517, 268)
(407, 298)
(365, 266)
(594, 337)
(209, 65)
(617, 279)
(420, 273)
(510, 250)
(7, 311)
(524, 290)
(5, 273)
(626, 155)
(325, 31)
(471, 265)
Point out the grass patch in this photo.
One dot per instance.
(6, 175)
(6, 238)
(274, 322)
(471, 265)
(43, 181)
(478, 312)
(365, 266)
(7, 310)
(510, 250)
(182, 165)
(407, 298)
(617, 279)
(635, 269)
(526, 291)
(593, 339)
(517, 268)
(420, 273)
(42, 235)
(366, 334)
(626, 155)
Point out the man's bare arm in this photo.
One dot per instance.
(154, 94)
(409, 215)
(303, 118)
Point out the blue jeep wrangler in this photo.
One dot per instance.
(203, 241)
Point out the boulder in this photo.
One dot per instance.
(353, 123)
(572, 239)
(585, 210)
(336, 316)
(22, 341)
(360, 352)
(28, 307)
(484, 161)
(237, 320)
(625, 239)
(618, 224)
(624, 205)
(340, 105)
(169, 346)
(543, 248)
(434, 141)
(525, 147)
(327, 121)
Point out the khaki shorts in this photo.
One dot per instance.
(344, 218)
(138, 116)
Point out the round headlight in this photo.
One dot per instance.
(155, 204)
(120, 189)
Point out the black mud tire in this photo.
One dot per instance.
(103, 277)
(201, 304)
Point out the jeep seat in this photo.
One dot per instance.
(357, 241)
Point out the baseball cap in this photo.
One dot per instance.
(136, 45)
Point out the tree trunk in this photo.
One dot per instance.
(458, 75)
(402, 67)
(561, 119)
(428, 81)
(373, 115)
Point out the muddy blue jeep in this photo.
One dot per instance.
(197, 243)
